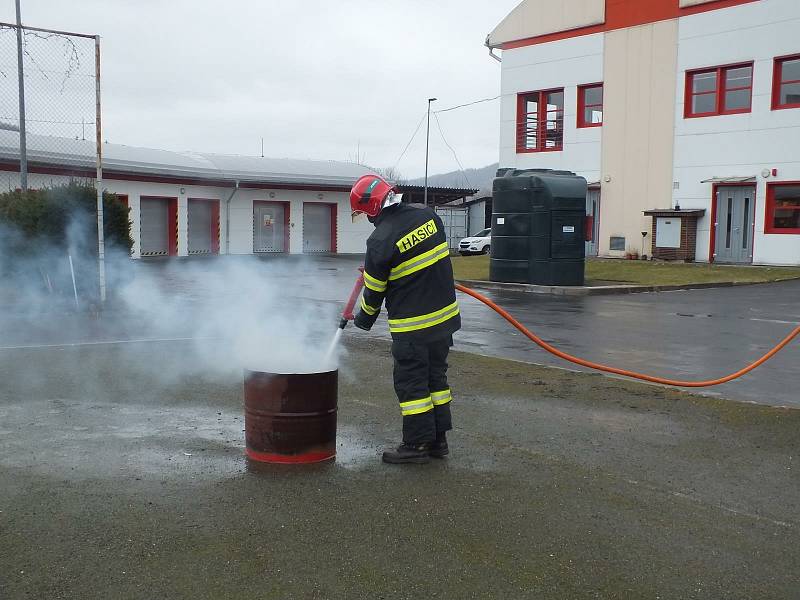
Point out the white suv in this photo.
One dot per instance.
(480, 243)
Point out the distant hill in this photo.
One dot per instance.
(475, 178)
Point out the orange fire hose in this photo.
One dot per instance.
(593, 365)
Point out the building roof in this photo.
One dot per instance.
(534, 18)
(68, 153)
(675, 212)
(732, 179)
(436, 195)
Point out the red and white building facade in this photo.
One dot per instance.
(663, 104)
(190, 203)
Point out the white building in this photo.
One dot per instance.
(663, 104)
(187, 203)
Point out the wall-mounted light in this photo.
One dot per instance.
(607, 179)
(320, 196)
(272, 194)
(183, 191)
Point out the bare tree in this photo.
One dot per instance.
(392, 175)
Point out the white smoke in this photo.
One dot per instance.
(232, 313)
(244, 313)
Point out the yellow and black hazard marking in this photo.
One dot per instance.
(416, 236)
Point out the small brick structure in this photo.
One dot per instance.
(675, 229)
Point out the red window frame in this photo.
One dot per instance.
(777, 82)
(582, 106)
(769, 223)
(720, 90)
(539, 127)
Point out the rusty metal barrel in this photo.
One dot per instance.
(290, 418)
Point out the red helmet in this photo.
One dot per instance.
(368, 194)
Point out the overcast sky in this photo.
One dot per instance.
(316, 79)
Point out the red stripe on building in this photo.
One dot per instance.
(172, 226)
(621, 14)
(334, 227)
(215, 227)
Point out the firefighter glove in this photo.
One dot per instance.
(364, 321)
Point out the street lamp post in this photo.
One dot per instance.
(427, 143)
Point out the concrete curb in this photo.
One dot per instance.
(602, 290)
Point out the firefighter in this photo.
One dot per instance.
(407, 264)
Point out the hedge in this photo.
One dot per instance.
(60, 216)
(41, 229)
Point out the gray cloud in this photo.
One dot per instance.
(314, 78)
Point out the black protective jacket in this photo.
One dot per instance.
(408, 265)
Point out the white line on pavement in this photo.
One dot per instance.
(101, 343)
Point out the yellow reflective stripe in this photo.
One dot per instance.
(442, 397)
(424, 260)
(435, 313)
(367, 308)
(415, 407)
(376, 285)
(423, 321)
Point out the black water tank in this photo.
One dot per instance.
(538, 220)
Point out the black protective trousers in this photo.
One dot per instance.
(420, 381)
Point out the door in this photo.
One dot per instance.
(270, 232)
(200, 226)
(456, 224)
(592, 221)
(734, 224)
(154, 226)
(317, 221)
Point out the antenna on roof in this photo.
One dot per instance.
(262, 147)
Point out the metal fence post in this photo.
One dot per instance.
(101, 250)
(23, 142)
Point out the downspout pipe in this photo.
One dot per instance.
(491, 50)
(228, 218)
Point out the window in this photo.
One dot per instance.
(719, 91)
(540, 121)
(590, 105)
(783, 208)
(617, 243)
(786, 86)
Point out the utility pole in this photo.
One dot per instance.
(427, 144)
(23, 142)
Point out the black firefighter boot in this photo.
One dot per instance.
(439, 448)
(408, 453)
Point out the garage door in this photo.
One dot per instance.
(269, 227)
(317, 232)
(154, 226)
(203, 226)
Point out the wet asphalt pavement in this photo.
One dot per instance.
(121, 479)
(691, 334)
(122, 472)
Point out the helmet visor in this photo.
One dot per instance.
(358, 216)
